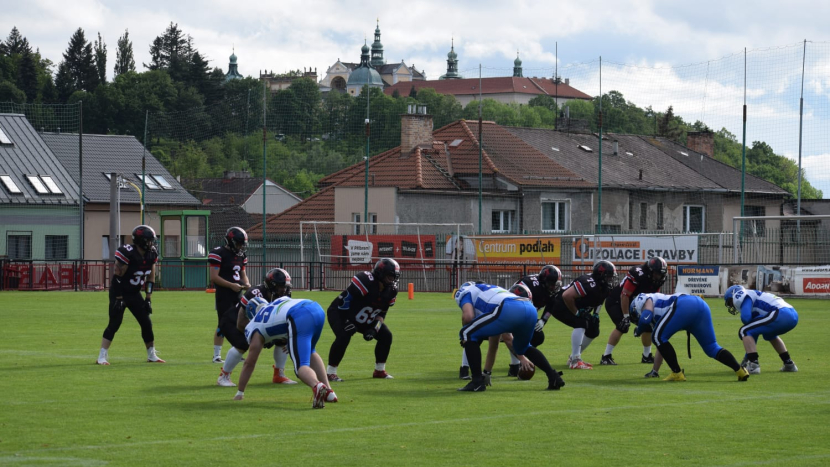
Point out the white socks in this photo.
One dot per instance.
(464, 361)
(380, 366)
(608, 349)
(646, 351)
(231, 360)
(217, 350)
(586, 341)
(577, 336)
(332, 370)
(514, 360)
(280, 357)
(103, 354)
(151, 352)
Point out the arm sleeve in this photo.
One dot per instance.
(746, 310)
(645, 320)
(121, 255)
(214, 258)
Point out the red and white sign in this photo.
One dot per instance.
(820, 285)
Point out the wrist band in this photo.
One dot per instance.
(149, 288)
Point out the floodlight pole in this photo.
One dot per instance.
(264, 172)
(366, 172)
(800, 127)
(144, 163)
(480, 144)
(599, 178)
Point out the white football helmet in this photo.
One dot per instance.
(638, 303)
(253, 307)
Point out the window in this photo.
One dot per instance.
(171, 244)
(503, 221)
(357, 218)
(756, 228)
(660, 216)
(373, 221)
(53, 187)
(630, 215)
(555, 216)
(105, 246)
(11, 187)
(643, 216)
(37, 184)
(57, 246)
(148, 182)
(162, 182)
(693, 218)
(196, 236)
(4, 139)
(19, 245)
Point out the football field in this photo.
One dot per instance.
(59, 408)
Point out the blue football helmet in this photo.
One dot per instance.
(728, 296)
(253, 306)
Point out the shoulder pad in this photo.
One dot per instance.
(738, 297)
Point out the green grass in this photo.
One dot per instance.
(58, 408)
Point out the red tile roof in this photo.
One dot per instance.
(500, 85)
(318, 207)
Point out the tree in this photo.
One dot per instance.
(124, 60)
(101, 59)
(27, 76)
(156, 60)
(63, 82)
(15, 43)
(80, 62)
(10, 93)
(413, 93)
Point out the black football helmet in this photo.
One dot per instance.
(144, 237)
(278, 283)
(604, 273)
(521, 290)
(551, 277)
(387, 271)
(237, 240)
(656, 267)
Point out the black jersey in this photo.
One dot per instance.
(636, 281)
(138, 267)
(363, 302)
(258, 291)
(589, 293)
(540, 293)
(230, 267)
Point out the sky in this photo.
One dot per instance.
(685, 54)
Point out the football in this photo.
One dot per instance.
(526, 375)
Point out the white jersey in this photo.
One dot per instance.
(484, 297)
(271, 321)
(763, 303)
(662, 303)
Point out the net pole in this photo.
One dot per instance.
(480, 149)
(599, 179)
(800, 129)
(81, 178)
(421, 249)
(264, 171)
(144, 164)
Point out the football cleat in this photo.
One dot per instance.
(464, 373)
(335, 378)
(556, 383)
(154, 359)
(788, 367)
(744, 361)
(753, 368)
(652, 374)
(103, 361)
(217, 359)
(647, 358)
(319, 394)
(513, 370)
(225, 380)
(680, 376)
(578, 364)
(474, 386)
(331, 397)
(743, 374)
(381, 374)
(607, 360)
(280, 378)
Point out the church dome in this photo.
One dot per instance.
(365, 49)
(361, 76)
(233, 58)
(517, 62)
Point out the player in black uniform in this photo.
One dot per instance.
(647, 278)
(577, 306)
(134, 269)
(227, 273)
(276, 284)
(362, 308)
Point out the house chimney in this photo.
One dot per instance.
(701, 141)
(616, 148)
(416, 128)
(567, 81)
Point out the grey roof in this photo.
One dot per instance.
(228, 191)
(662, 164)
(121, 154)
(29, 155)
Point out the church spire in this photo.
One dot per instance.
(517, 66)
(377, 48)
(452, 64)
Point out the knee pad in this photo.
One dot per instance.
(537, 339)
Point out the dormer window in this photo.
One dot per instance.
(11, 187)
(39, 187)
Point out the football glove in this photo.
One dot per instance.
(149, 306)
(540, 324)
(486, 375)
(119, 305)
(624, 324)
(370, 334)
(637, 331)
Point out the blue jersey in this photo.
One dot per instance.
(755, 304)
(484, 297)
(661, 303)
(271, 321)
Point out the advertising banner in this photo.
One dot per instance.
(698, 280)
(507, 250)
(636, 250)
(360, 251)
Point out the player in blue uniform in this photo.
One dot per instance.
(668, 314)
(488, 311)
(763, 314)
(296, 323)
